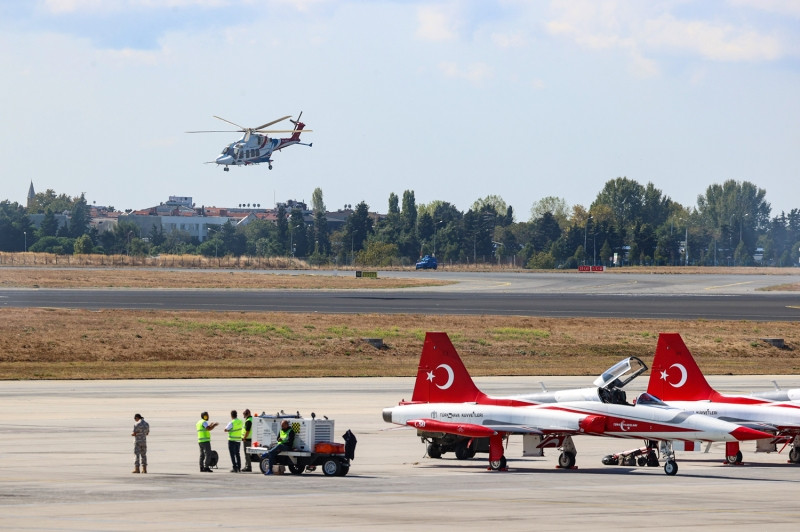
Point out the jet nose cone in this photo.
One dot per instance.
(224, 159)
(746, 433)
(387, 415)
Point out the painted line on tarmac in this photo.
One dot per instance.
(727, 285)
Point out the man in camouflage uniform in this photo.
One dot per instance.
(140, 431)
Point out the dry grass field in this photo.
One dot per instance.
(117, 344)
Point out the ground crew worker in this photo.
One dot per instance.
(247, 438)
(284, 443)
(234, 430)
(204, 429)
(140, 431)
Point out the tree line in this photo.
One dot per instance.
(627, 224)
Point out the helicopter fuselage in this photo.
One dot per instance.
(253, 148)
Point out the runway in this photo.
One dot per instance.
(713, 297)
(67, 454)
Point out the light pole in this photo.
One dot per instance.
(26, 240)
(434, 236)
(291, 239)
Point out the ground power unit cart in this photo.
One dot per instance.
(313, 445)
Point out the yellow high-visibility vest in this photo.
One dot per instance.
(203, 434)
(235, 434)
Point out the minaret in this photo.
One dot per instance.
(31, 194)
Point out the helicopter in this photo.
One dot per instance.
(256, 146)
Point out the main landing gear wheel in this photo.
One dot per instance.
(734, 458)
(227, 169)
(671, 468)
(794, 455)
(434, 450)
(652, 459)
(464, 451)
(566, 460)
(332, 468)
(270, 167)
(497, 465)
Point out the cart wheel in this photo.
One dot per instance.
(331, 467)
(263, 465)
(296, 469)
(344, 470)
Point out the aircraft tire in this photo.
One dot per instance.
(566, 460)
(434, 450)
(734, 458)
(498, 464)
(652, 459)
(462, 450)
(794, 455)
(671, 468)
(641, 461)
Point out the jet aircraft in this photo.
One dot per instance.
(677, 380)
(608, 388)
(446, 400)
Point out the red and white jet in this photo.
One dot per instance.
(677, 380)
(446, 401)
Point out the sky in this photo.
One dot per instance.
(454, 100)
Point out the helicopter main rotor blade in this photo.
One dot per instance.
(268, 123)
(282, 131)
(232, 123)
(216, 131)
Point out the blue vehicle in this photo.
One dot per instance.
(427, 262)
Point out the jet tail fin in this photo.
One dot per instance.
(442, 376)
(675, 375)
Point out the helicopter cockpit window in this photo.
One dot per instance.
(227, 150)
